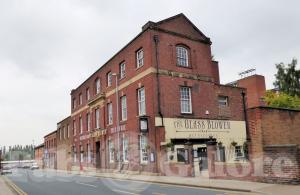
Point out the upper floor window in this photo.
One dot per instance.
(185, 100)
(109, 79)
(97, 118)
(139, 58)
(74, 127)
(141, 101)
(80, 99)
(122, 70)
(88, 121)
(64, 132)
(68, 130)
(80, 125)
(109, 113)
(123, 108)
(182, 56)
(98, 86)
(73, 103)
(88, 95)
(223, 101)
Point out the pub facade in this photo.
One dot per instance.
(157, 107)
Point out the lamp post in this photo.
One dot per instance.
(118, 120)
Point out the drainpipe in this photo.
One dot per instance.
(246, 117)
(156, 41)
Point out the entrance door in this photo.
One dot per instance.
(98, 160)
(202, 155)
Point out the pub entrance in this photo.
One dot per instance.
(200, 161)
(98, 160)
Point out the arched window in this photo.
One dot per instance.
(182, 56)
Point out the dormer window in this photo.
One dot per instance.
(182, 56)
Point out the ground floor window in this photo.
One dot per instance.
(143, 149)
(221, 153)
(74, 154)
(111, 151)
(125, 149)
(88, 146)
(81, 154)
(238, 152)
(181, 155)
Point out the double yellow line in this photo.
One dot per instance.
(15, 187)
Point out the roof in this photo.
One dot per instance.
(69, 117)
(144, 29)
(50, 133)
(39, 146)
(188, 20)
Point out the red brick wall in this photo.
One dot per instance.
(256, 88)
(272, 132)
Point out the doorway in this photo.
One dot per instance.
(98, 160)
(200, 161)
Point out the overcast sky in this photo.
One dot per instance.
(49, 47)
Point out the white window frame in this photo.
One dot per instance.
(182, 56)
(236, 154)
(111, 151)
(60, 136)
(125, 149)
(98, 86)
(140, 58)
(97, 117)
(122, 70)
(123, 108)
(80, 125)
(88, 121)
(223, 101)
(141, 101)
(185, 100)
(109, 79)
(110, 113)
(143, 149)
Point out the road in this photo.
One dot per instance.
(39, 182)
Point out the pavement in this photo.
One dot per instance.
(48, 182)
(219, 184)
(4, 187)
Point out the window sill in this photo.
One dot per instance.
(188, 67)
(139, 67)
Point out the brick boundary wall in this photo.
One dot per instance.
(282, 164)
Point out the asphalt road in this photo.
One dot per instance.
(39, 182)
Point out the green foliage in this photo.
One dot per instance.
(288, 78)
(282, 100)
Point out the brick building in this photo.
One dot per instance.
(255, 86)
(173, 116)
(50, 160)
(64, 137)
(39, 155)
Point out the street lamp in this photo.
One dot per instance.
(118, 120)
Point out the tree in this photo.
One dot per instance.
(288, 78)
(282, 100)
